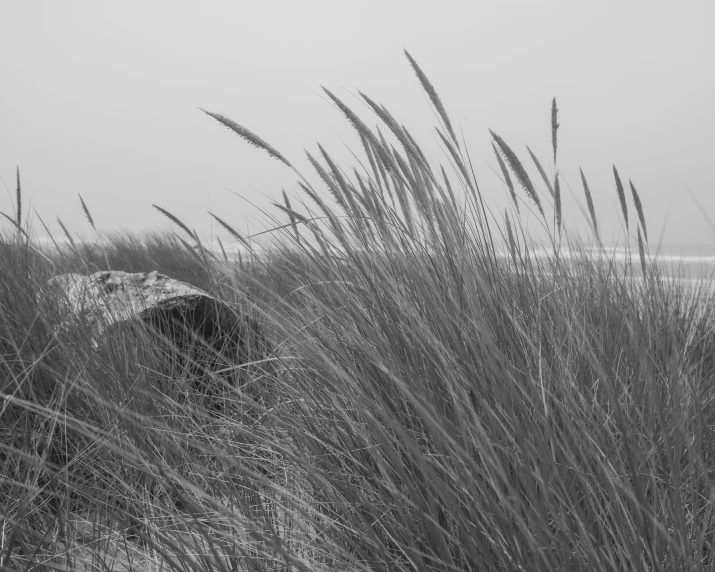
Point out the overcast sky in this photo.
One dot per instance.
(101, 98)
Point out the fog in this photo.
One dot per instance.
(102, 99)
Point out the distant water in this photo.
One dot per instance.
(687, 263)
(690, 264)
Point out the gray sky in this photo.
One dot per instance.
(101, 99)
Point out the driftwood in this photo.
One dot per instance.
(205, 339)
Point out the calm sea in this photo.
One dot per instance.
(689, 263)
(693, 264)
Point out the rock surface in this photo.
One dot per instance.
(104, 298)
(205, 340)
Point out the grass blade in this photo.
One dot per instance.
(47, 230)
(67, 234)
(449, 189)
(18, 194)
(541, 171)
(333, 189)
(557, 202)
(554, 126)
(518, 170)
(15, 224)
(639, 209)
(641, 252)
(291, 216)
(507, 178)
(360, 127)
(434, 98)
(510, 237)
(232, 231)
(396, 129)
(189, 249)
(249, 136)
(621, 195)
(223, 250)
(175, 220)
(86, 212)
(589, 203)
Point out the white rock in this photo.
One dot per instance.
(104, 298)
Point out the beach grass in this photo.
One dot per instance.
(443, 390)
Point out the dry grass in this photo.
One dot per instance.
(439, 395)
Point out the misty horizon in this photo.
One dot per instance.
(103, 101)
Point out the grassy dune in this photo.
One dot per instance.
(436, 397)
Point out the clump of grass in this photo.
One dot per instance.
(437, 354)
(433, 403)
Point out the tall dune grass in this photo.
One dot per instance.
(438, 397)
